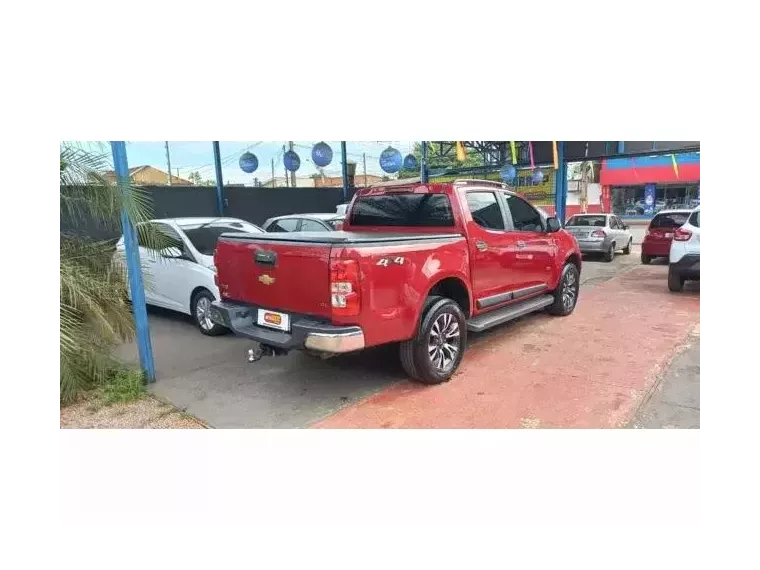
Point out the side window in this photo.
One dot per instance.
(613, 223)
(312, 226)
(525, 217)
(286, 225)
(170, 236)
(694, 219)
(485, 210)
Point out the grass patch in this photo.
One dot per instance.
(124, 386)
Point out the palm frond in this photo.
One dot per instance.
(94, 313)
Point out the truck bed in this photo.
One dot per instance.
(340, 237)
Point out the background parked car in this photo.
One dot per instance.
(684, 253)
(181, 276)
(305, 223)
(660, 233)
(600, 233)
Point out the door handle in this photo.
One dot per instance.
(481, 245)
(521, 244)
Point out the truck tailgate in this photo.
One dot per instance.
(276, 272)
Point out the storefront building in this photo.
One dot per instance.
(641, 186)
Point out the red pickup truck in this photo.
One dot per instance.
(419, 265)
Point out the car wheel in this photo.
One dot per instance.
(610, 255)
(646, 259)
(201, 311)
(436, 351)
(627, 250)
(675, 281)
(566, 293)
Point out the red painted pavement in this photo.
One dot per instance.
(588, 370)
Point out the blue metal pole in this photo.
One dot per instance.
(423, 164)
(345, 169)
(219, 181)
(621, 147)
(560, 183)
(132, 254)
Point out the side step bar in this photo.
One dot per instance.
(501, 316)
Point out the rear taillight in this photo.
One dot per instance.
(344, 287)
(598, 233)
(682, 235)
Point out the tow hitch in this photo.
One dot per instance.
(255, 354)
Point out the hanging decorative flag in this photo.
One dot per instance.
(513, 146)
(410, 162)
(555, 155)
(322, 154)
(538, 176)
(248, 162)
(291, 160)
(530, 151)
(508, 173)
(675, 164)
(390, 160)
(461, 152)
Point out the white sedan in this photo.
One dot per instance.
(181, 277)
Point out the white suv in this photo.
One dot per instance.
(684, 253)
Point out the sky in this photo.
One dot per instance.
(199, 156)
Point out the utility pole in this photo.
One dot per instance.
(178, 172)
(364, 160)
(274, 182)
(344, 156)
(292, 174)
(168, 164)
(287, 175)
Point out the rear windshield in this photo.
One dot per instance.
(403, 209)
(675, 220)
(599, 221)
(204, 238)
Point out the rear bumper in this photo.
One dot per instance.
(687, 266)
(306, 333)
(595, 246)
(655, 249)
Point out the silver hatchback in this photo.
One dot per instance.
(600, 233)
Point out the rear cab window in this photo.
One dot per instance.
(402, 209)
(672, 220)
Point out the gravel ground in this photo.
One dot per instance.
(147, 412)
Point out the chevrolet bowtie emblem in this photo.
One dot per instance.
(266, 279)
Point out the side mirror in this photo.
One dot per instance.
(553, 225)
(172, 252)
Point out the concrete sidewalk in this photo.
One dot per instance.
(591, 369)
(674, 401)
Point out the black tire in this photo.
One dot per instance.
(209, 330)
(675, 281)
(610, 253)
(646, 259)
(570, 277)
(415, 354)
(627, 250)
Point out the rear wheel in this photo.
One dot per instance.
(646, 259)
(627, 249)
(675, 281)
(436, 351)
(566, 293)
(610, 254)
(200, 305)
